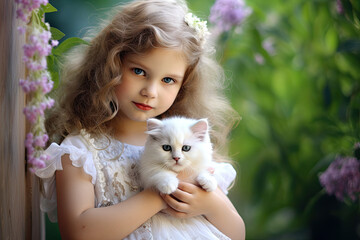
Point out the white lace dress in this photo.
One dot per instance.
(113, 168)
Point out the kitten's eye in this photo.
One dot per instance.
(166, 147)
(139, 71)
(186, 148)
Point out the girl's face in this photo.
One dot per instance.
(150, 83)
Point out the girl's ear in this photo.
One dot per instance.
(200, 129)
(153, 123)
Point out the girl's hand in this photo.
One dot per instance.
(189, 200)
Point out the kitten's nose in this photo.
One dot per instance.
(176, 158)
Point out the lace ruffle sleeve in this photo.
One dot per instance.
(225, 174)
(80, 156)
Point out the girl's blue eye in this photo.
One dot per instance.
(139, 71)
(186, 148)
(166, 148)
(168, 80)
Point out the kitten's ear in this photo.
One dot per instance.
(154, 127)
(200, 129)
(153, 123)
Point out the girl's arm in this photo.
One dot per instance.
(190, 200)
(77, 217)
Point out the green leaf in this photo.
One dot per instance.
(43, 25)
(67, 45)
(53, 68)
(49, 8)
(56, 34)
(331, 40)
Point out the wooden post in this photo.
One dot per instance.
(20, 216)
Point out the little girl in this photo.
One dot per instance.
(151, 60)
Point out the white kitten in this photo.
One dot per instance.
(174, 145)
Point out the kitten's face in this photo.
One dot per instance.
(178, 144)
(177, 153)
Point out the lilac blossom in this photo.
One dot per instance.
(225, 14)
(259, 58)
(339, 7)
(38, 81)
(268, 45)
(26, 7)
(342, 178)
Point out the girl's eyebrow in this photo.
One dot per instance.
(138, 64)
(175, 76)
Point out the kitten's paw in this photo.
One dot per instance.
(168, 186)
(207, 182)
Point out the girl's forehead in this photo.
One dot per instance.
(158, 55)
(158, 52)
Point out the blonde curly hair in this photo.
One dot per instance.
(86, 98)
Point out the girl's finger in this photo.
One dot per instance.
(182, 195)
(175, 204)
(187, 187)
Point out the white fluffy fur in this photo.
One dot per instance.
(158, 169)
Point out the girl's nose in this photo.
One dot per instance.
(149, 90)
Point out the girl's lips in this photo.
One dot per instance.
(143, 106)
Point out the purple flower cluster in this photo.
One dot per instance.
(38, 82)
(27, 6)
(32, 143)
(43, 83)
(339, 7)
(225, 14)
(32, 112)
(342, 178)
(37, 48)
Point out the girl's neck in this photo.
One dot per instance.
(130, 132)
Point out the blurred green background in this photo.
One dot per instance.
(295, 80)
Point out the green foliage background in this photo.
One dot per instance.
(300, 108)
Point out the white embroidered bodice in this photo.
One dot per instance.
(113, 168)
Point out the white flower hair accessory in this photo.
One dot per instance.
(199, 26)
